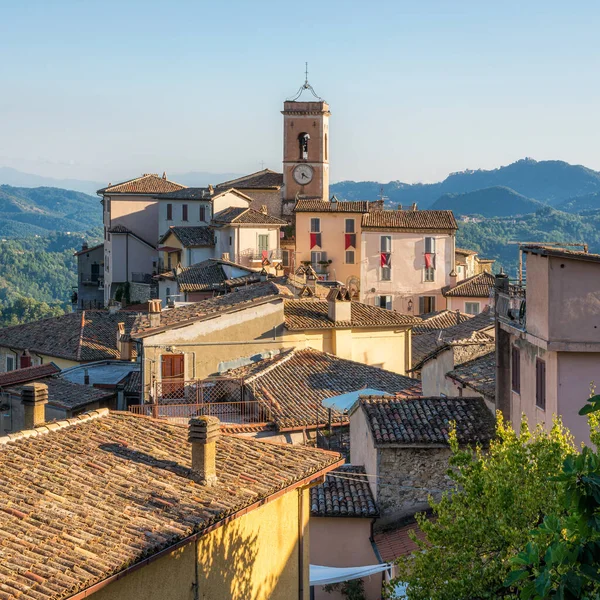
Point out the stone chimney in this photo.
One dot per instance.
(263, 209)
(164, 174)
(154, 310)
(413, 206)
(123, 345)
(225, 256)
(34, 397)
(339, 305)
(203, 434)
(84, 246)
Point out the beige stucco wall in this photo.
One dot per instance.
(138, 213)
(36, 359)
(130, 255)
(537, 296)
(333, 240)
(254, 557)
(433, 373)
(228, 199)
(362, 447)
(343, 542)
(193, 219)
(458, 303)
(408, 268)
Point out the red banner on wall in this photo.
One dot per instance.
(315, 240)
(350, 240)
(386, 259)
(429, 260)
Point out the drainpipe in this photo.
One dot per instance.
(300, 544)
(503, 387)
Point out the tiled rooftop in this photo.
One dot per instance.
(441, 319)
(246, 216)
(409, 219)
(478, 286)
(85, 501)
(345, 493)
(134, 383)
(196, 236)
(316, 205)
(265, 179)
(28, 374)
(427, 420)
(394, 543)
(80, 336)
(561, 252)
(150, 183)
(478, 374)
(293, 384)
(312, 314)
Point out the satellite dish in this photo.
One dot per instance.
(353, 285)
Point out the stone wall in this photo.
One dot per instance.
(407, 476)
(142, 292)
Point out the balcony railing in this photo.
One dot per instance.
(511, 307)
(259, 255)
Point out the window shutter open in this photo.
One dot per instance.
(421, 304)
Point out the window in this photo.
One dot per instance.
(203, 213)
(540, 383)
(169, 212)
(472, 308)
(303, 139)
(429, 245)
(515, 360)
(386, 243)
(315, 225)
(426, 304)
(95, 272)
(10, 363)
(350, 226)
(168, 293)
(263, 242)
(349, 257)
(285, 258)
(184, 212)
(230, 240)
(429, 274)
(386, 273)
(384, 302)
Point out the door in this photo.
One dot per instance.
(172, 376)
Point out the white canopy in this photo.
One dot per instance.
(323, 575)
(343, 402)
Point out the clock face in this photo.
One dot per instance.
(303, 174)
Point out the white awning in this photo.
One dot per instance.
(343, 402)
(323, 575)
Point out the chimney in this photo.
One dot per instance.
(84, 246)
(263, 209)
(154, 310)
(86, 377)
(413, 206)
(203, 434)
(34, 397)
(399, 206)
(263, 274)
(164, 174)
(339, 305)
(123, 345)
(225, 256)
(211, 189)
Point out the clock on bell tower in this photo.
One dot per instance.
(305, 147)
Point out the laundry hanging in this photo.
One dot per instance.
(430, 260)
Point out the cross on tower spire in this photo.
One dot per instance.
(305, 86)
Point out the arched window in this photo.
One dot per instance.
(303, 139)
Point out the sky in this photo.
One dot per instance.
(107, 90)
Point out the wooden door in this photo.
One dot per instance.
(172, 375)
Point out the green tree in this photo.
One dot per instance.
(500, 494)
(561, 559)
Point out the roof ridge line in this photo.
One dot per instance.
(53, 426)
(282, 360)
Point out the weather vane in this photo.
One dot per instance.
(305, 86)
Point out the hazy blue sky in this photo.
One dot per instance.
(109, 89)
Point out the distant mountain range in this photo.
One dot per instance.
(550, 182)
(9, 176)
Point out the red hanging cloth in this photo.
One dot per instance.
(429, 260)
(313, 240)
(350, 240)
(386, 258)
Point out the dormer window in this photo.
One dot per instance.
(303, 139)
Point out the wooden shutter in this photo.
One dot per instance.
(169, 212)
(184, 212)
(421, 304)
(540, 383)
(516, 370)
(203, 213)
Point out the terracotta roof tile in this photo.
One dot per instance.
(246, 216)
(345, 493)
(427, 420)
(465, 252)
(265, 179)
(478, 374)
(561, 252)
(146, 184)
(312, 314)
(134, 383)
(442, 319)
(86, 501)
(197, 236)
(80, 336)
(409, 219)
(478, 286)
(394, 543)
(292, 385)
(28, 374)
(316, 205)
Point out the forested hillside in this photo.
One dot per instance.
(37, 275)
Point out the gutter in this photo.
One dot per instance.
(86, 593)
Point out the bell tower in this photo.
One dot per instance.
(305, 147)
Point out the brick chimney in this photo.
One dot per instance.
(34, 397)
(154, 310)
(339, 305)
(203, 434)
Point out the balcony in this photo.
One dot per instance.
(511, 307)
(272, 256)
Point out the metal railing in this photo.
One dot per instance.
(229, 413)
(199, 391)
(271, 255)
(511, 307)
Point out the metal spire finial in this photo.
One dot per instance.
(305, 86)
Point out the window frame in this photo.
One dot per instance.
(316, 220)
(169, 212)
(13, 362)
(346, 222)
(388, 301)
(184, 212)
(285, 258)
(422, 300)
(428, 274)
(388, 248)
(540, 383)
(385, 273)
(515, 370)
(351, 262)
(431, 241)
(478, 304)
(202, 214)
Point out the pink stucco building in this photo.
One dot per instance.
(548, 341)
